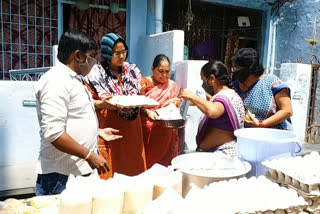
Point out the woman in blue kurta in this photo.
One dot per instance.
(265, 96)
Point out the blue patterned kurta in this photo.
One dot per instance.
(259, 98)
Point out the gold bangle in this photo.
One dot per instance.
(88, 155)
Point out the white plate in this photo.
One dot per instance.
(133, 101)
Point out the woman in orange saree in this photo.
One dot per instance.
(116, 77)
(161, 143)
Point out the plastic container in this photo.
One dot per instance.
(258, 144)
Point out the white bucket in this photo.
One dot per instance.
(258, 144)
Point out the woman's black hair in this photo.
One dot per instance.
(249, 59)
(158, 59)
(74, 40)
(219, 70)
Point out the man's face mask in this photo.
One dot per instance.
(86, 67)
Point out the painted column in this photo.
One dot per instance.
(159, 15)
(136, 27)
(266, 39)
(60, 19)
(151, 19)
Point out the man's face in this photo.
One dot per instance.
(87, 61)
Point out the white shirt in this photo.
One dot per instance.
(64, 104)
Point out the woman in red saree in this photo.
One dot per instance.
(161, 143)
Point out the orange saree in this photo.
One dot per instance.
(125, 155)
(161, 143)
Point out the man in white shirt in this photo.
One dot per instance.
(68, 123)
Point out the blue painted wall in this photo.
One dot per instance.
(253, 4)
(295, 24)
(151, 27)
(136, 27)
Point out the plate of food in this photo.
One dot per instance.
(133, 101)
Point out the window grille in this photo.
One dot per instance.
(29, 29)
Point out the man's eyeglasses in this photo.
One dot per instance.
(95, 60)
(118, 54)
(91, 58)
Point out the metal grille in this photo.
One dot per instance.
(29, 29)
(214, 32)
(313, 123)
(32, 74)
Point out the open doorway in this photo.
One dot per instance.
(216, 31)
(97, 18)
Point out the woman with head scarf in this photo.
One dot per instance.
(115, 77)
(265, 96)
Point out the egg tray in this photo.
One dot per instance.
(312, 200)
(281, 177)
(291, 210)
(312, 212)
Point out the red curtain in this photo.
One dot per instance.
(97, 22)
(231, 47)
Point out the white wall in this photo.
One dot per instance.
(19, 135)
(170, 43)
(298, 77)
(188, 76)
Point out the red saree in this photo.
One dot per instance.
(161, 143)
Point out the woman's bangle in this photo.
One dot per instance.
(260, 123)
(88, 155)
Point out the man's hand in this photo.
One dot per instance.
(98, 162)
(109, 134)
(67, 144)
